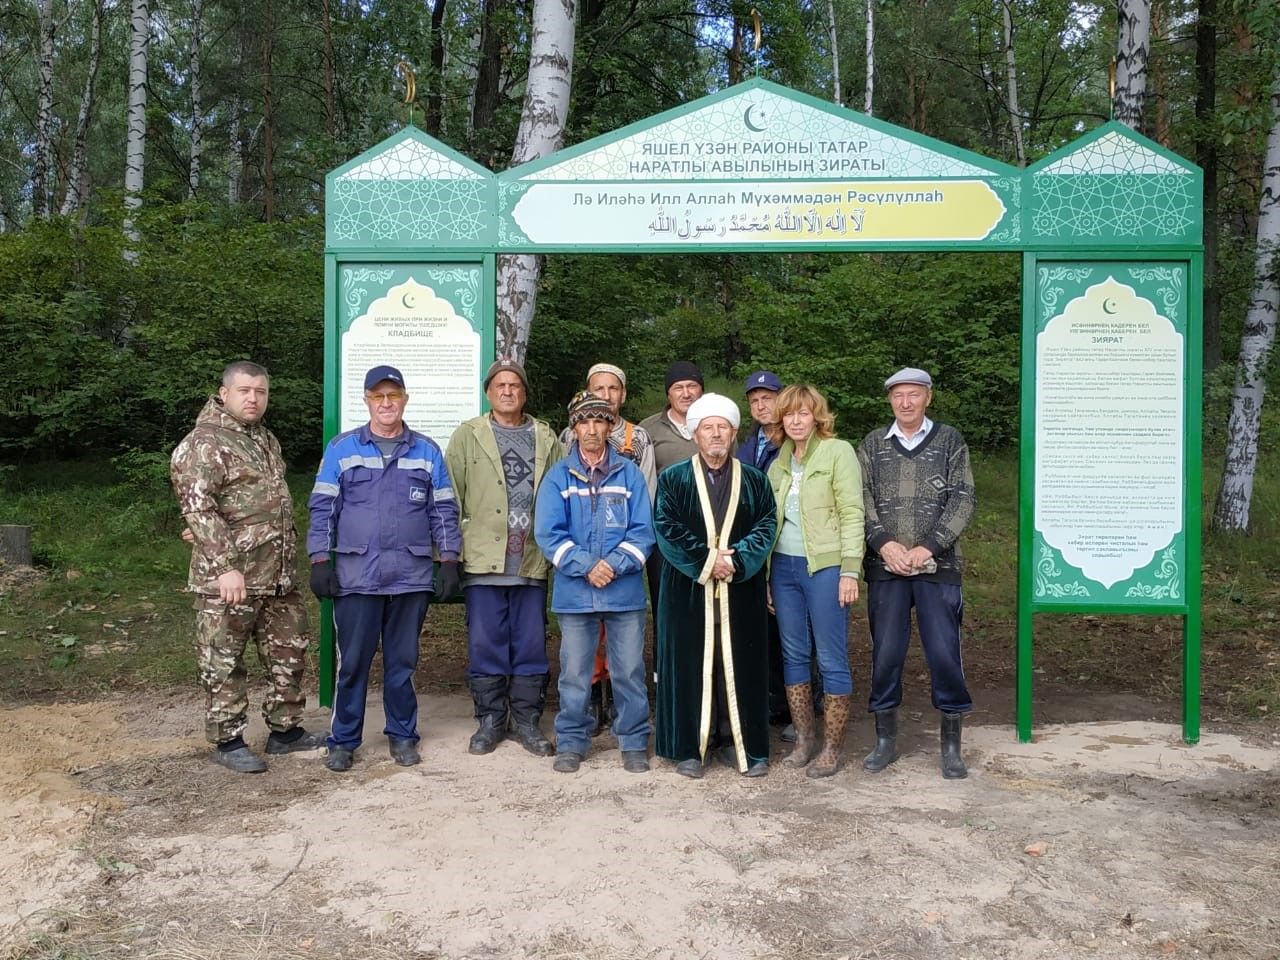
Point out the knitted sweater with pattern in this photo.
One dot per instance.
(921, 497)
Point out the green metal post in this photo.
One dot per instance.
(1193, 505)
(1026, 498)
(325, 675)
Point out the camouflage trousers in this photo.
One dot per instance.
(278, 625)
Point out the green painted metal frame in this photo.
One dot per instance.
(333, 386)
(1181, 244)
(1189, 610)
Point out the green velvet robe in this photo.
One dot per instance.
(685, 618)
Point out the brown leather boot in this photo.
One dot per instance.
(800, 700)
(835, 717)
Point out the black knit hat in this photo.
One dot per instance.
(682, 370)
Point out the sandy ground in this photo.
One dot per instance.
(118, 838)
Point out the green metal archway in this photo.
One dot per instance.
(1109, 228)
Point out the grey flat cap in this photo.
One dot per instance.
(909, 375)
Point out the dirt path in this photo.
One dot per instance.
(1098, 840)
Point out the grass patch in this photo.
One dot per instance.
(108, 610)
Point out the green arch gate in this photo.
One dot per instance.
(1109, 228)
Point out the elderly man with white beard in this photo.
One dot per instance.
(715, 520)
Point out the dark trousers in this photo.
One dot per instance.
(939, 614)
(506, 630)
(361, 620)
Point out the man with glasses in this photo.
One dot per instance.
(382, 505)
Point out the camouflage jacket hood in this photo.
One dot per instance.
(229, 477)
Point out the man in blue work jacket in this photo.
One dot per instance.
(593, 521)
(382, 505)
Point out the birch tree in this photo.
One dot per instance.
(197, 99)
(869, 93)
(1011, 83)
(43, 165)
(835, 53)
(136, 138)
(77, 193)
(1133, 47)
(542, 121)
(1241, 460)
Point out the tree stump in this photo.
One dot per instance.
(15, 545)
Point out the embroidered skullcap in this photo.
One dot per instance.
(608, 368)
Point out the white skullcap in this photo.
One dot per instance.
(712, 405)
(608, 368)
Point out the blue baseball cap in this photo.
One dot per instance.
(762, 380)
(378, 374)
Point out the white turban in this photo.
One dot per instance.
(712, 405)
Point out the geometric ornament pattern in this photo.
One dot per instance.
(1113, 154)
(413, 210)
(1114, 187)
(408, 192)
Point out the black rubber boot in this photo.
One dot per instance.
(886, 749)
(489, 694)
(953, 767)
(528, 697)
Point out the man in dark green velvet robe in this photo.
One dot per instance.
(715, 520)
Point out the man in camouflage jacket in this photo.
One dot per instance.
(229, 478)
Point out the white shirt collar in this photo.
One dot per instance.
(896, 431)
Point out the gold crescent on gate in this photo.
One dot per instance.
(410, 81)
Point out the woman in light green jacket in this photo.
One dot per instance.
(813, 575)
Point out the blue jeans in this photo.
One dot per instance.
(939, 615)
(579, 638)
(803, 602)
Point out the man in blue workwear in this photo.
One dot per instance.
(382, 505)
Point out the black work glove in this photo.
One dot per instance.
(449, 581)
(324, 579)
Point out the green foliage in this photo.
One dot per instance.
(97, 357)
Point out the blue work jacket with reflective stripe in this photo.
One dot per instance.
(577, 525)
(383, 518)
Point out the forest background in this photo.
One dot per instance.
(110, 337)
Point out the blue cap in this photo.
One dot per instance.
(378, 374)
(762, 380)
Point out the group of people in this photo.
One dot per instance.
(750, 553)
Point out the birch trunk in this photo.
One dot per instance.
(43, 165)
(835, 53)
(1133, 47)
(868, 95)
(1241, 460)
(1011, 83)
(197, 99)
(233, 160)
(76, 195)
(136, 140)
(330, 106)
(268, 119)
(542, 120)
(1206, 157)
